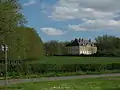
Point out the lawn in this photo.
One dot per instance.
(103, 83)
(65, 66)
(77, 60)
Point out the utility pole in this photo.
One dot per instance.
(6, 63)
(5, 49)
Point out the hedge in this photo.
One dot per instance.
(25, 68)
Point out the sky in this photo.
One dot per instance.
(68, 19)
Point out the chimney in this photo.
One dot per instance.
(89, 40)
(82, 39)
(79, 39)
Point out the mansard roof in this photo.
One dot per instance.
(80, 41)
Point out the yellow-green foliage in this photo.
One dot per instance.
(30, 43)
(24, 43)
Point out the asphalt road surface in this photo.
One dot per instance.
(16, 81)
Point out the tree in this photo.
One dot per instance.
(27, 43)
(23, 42)
(33, 44)
(50, 47)
(108, 45)
(55, 48)
(10, 19)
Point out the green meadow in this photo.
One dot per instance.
(103, 83)
(76, 60)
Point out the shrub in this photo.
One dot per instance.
(36, 68)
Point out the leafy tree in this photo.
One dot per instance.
(27, 43)
(10, 19)
(108, 45)
(33, 44)
(23, 42)
(50, 47)
(55, 48)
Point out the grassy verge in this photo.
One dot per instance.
(62, 66)
(69, 74)
(53, 74)
(103, 83)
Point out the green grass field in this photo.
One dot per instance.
(77, 60)
(106, 83)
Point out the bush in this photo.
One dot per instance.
(36, 68)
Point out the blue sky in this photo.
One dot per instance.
(68, 19)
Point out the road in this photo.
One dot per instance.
(16, 81)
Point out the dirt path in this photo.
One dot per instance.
(15, 81)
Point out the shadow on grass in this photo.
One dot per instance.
(11, 88)
(114, 88)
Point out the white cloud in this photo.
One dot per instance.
(91, 9)
(30, 2)
(95, 14)
(53, 31)
(91, 25)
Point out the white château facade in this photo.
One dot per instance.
(81, 46)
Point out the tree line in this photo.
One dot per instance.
(23, 42)
(107, 46)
